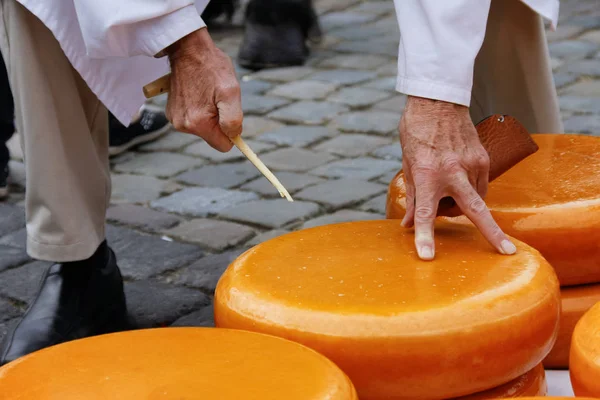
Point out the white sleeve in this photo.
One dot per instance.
(439, 41)
(126, 28)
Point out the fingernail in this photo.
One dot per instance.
(403, 223)
(507, 247)
(425, 252)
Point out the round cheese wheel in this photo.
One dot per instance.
(533, 383)
(576, 301)
(550, 200)
(584, 357)
(401, 328)
(176, 363)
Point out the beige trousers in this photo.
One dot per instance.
(64, 131)
(512, 70)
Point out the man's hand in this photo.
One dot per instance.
(204, 95)
(442, 156)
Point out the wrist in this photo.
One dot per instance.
(189, 44)
(433, 105)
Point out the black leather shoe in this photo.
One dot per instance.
(276, 33)
(75, 300)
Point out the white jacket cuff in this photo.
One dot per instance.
(156, 35)
(434, 90)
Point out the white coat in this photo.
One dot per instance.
(112, 43)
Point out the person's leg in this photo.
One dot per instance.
(7, 127)
(276, 32)
(512, 71)
(65, 138)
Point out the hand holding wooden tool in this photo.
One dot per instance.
(162, 84)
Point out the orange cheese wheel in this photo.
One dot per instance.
(550, 200)
(176, 363)
(533, 383)
(584, 357)
(401, 328)
(576, 301)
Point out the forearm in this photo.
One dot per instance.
(438, 45)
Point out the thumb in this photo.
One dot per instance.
(231, 116)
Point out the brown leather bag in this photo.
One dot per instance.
(507, 143)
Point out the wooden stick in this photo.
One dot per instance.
(161, 85)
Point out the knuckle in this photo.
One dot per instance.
(482, 160)
(424, 213)
(230, 89)
(477, 206)
(452, 163)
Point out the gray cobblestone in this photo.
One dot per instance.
(255, 86)
(171, 142)
(395, 104)
(341, 216)
(201, 202)
(12, 257)
(21, 283)
(153, 304)
(8, 310)
(583, 124)
(388, 83)
(12, 218)
(254, 126)
(142, 256)
(563, 32)
(379, 122)
(263, 237)
(139, 189)
(158, 164)
(308, 112)
(303, 90)
(352, 145)
(142, 218)
(203, 150)
(369, 46)
(584, 88)
(223, 175)
(297, 136)
(387, 178)
(389, 152)
(202, 318)
(295, 159)
(204, 273)
(255, 104)
(376, 204)
(343, 76)
(5, 327)
(271, 213)
(389, 69)
(584, 67)
(564, 78)
(354, 61)
(339, 19)
(373, 7)
(212, 234)
(341, 193)
(572, 49)
(359, 168)
(358, 97)
(17, 238)
(283, 74)
(365, 32)
(579, 104)
(591, 36)
(17, 173)
(290, 180)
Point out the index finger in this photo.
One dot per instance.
(473, 206)
(426, 205)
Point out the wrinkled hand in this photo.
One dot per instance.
(442, 156)
(204, 96)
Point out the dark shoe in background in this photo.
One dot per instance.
(7, 129)
(276, 33)
(217, 8)
(150, 126)
(75, 300)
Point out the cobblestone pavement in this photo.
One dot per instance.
(182, 211)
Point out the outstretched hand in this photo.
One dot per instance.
(442, 156)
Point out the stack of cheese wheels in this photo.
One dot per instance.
(176, 363)
(399, 327)
(585, 354)
(533, 383)
(551, 201)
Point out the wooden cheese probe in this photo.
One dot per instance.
(162, 84)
